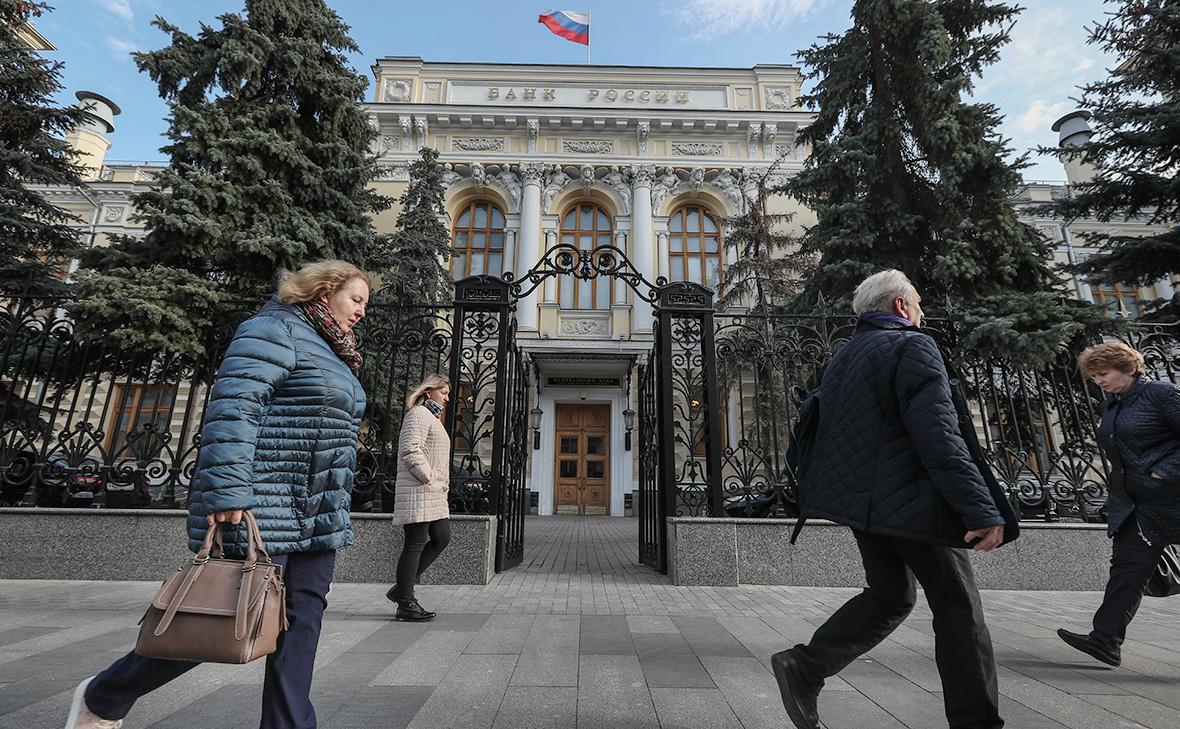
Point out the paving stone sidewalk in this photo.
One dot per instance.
(579, 636)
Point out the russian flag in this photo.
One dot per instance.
(567, 24)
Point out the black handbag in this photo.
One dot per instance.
(1165, 580)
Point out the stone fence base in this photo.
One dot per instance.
(723, 552)
(142, 544)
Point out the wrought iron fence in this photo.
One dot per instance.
(1036, 425)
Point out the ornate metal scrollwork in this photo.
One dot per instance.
(565, 259)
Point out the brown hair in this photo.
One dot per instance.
(1112, 356)
(319, 278)
(432, 382)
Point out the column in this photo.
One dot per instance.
(643, 251)
(665, 261)
(550, 285)
(509, 262)
(529, 249)
(620, 287)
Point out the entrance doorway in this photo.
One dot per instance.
(581, 479)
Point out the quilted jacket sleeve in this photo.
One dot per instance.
(928, 411)
(411, 443)
(259, 360)
(1166, 397)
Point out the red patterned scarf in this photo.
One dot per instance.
(342, 343)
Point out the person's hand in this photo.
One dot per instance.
(233, 516)
(989, 538)
(1156, 476)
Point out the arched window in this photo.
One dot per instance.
(694, 246)
(478, 239)
(586, 226)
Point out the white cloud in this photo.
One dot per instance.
(1040, 115)
(710, 19)
(122, 8)
(121, 47)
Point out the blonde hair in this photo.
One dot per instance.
(879, 291)
(432, 382)
(1112, 356)
(319, 278)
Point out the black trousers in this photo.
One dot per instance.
(1132, 562)
(424, 541)
(286, 689)
(962, 644)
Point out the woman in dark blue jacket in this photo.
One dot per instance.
(279, 439)
(1140, 436)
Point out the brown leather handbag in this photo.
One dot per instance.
(216, 609)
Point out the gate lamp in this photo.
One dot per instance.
(536, 414)
(628, 424)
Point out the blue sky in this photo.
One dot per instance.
(1032, 84)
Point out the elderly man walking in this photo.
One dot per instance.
(895, 458)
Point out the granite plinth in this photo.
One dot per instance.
(141, 544)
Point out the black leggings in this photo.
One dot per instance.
(418, 553)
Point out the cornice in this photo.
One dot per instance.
(567, 71)
(569, 117)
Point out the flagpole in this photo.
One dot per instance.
(587, 36)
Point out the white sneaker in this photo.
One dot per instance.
(81, 717)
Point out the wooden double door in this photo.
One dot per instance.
(581, 480)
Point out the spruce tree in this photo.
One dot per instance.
(904, 173)
(36, 240)
(412, 262)
(270, 165)
(767, 267)
(1135, 115)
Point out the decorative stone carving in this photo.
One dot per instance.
(586, 177)
(662, 186)
(106, 174)
(727, 184)
(789, 151)
(479, 177)
(695, 180)
(618, 182)
(449, 175)
(778, 98)
(532, 129)
(532, 173)
(556, 183)
(752, 135)
(510, 181)
(407, 141)
(143, 174)
(769, 131)
(588, 146)
(113, 214)
(478, 144)
(420, 131)
(642, 129)
(584, 326)
(643, 175)
(397, 90)
(393, 173)
(697, 149)
(388, 143)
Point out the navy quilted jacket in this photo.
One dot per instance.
(1140, 434)
(889, 458)
(279, 436)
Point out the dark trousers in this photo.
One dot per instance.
(286, 690)
(1132, 563)
(424, 541)
(962, 644)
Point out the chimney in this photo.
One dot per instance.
(1074, 130)
(89, 139)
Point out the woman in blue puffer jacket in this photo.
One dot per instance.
(279, 439)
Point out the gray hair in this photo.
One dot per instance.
(879, 291)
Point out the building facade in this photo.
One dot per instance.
(650, 161)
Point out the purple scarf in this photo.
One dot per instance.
(886, 317)
(342, 343)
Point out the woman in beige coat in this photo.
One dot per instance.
(420, 492)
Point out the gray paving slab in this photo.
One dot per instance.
(23, 633)
(469, 696)
(707, 637)
(538, 707)
(502, 635)
(379, 707)
(612, 694)
(605, 635)
(550, 653)
(750, 690)
(427, 661)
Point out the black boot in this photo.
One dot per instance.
(1108, 653)
(393, 594)
(799, 693)
(411, 611)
